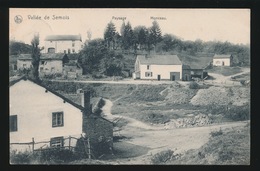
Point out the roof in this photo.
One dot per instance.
(45, 56)
(217, 56)
(12, 82)
(62, 37)
(159, 59)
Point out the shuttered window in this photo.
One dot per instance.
(57, 142)
(13, 123)
(148, 74)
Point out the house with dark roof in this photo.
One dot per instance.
(63, 44)
(222, 60)
(49, 63)
(48, 118)
(158, 67)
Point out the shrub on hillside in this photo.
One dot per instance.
(162, 157)
(216, 133)
(194, 85)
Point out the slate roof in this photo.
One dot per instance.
(70, 101)
(216, 56)
(62, 37)
(159, 59)
(45, 56)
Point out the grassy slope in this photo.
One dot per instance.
(225, 70)
(230, 148)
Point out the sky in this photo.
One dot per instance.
(231, 25)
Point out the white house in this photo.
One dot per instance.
(63, 44)
(158, 67)
(49, 63)
(41, 115)
(222, 60)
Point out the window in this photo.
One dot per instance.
(68, 51)
(42, 62)
(73, 50)
(57, 142)
(57, 119)
(41, 69)
(73, 44)
(148, 74)
(148, 67)
(13, 123)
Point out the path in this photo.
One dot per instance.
(131, 121)
(226, 80)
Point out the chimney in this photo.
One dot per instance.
(85, 102)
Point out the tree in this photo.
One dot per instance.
(127, 37)
(155, 33)
(35, 57)
(91, 54)
(109, 34)
(16, 48)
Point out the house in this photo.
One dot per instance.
(37, 113)
(63, 44)
(49, 63)
(222, 60)
(73, 70)
(158, 67)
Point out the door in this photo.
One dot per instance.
(174, 76)
(158, 77)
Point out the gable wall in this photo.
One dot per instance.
(34, 107)
(163, 70)
(60, 46)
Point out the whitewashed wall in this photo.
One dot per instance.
(218, 62)
(60, 46)
(34, 107)
(48, 64)
(163, 70)
(20, 64)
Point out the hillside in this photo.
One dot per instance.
(225, 147)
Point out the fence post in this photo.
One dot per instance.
(89, 152)
(69, 141)
(33, 145)
(84, 144)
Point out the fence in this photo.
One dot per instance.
(70, 143)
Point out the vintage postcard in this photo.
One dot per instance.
(130, 86)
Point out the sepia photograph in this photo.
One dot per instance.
(129, 86)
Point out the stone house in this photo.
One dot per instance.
(49, 63)
(38, 113)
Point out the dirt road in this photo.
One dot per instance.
(145, 140)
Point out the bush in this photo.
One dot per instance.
(216, 133)
(194, 85)
(162, 157)
(20, 157)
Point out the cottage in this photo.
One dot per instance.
(38, 113)
(222, 60)
(63, 44)
(49, 63)
(158, 67)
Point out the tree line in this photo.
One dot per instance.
(106, 55)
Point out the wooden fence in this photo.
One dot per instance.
(86, 144)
